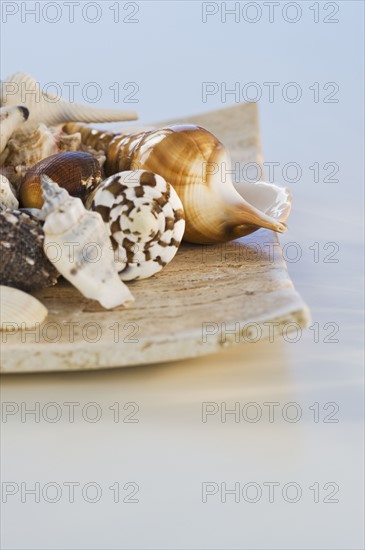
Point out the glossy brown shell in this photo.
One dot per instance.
(79, 173)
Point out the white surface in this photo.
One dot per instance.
(170, 451)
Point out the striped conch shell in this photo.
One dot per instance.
(11, 118)
(144, 218)
(50, 109)
(85, 256)
(192, 160)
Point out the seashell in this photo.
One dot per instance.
(20, 310)
(78, 173)
(7, 194)
(50, 109)
(73, 229)
(24, 264)
(191, 159)
(144, 218)
(26, 149)
(10, 119)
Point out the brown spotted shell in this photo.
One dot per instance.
(79, 173)
(144, 218)
(24, 264)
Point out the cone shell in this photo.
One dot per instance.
(144, 218)
(19, 310)
(78, 173)
(24, 264)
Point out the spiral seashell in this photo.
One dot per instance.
(11, 118)
(73, 229)
(50, 109)
(191, 159)
(19, 310)
(144, 218)
(78, 173)
(7, 194)
(24, 264)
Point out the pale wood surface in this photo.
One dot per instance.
(228, 286)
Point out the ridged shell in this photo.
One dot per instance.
(78, 173)
(24, 264)
(145, 220)
(19, 310)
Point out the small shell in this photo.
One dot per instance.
(145, 220)
(10, 119)
(19, 310)
(86, 258)
(50, 109)
(24, 264)
(25, 149)
(78, 173)
(7, 194)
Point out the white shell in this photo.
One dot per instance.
(269, 198)
(19, 310)
(50, 109)
(144, 218)
(85, 255)
(7, 197)
(10, 119)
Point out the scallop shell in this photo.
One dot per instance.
(78, 173)
(24, 264)
(19, 310)
(144, 218)
(50, 109)
(74, 230)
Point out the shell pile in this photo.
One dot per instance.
(129, 199)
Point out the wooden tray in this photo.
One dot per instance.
(207, 298)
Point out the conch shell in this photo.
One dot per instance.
(191, 159)
(19, 310)
(11, 118)
(78, 173)
(86, 258)
(144, 218)
(50, 109)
